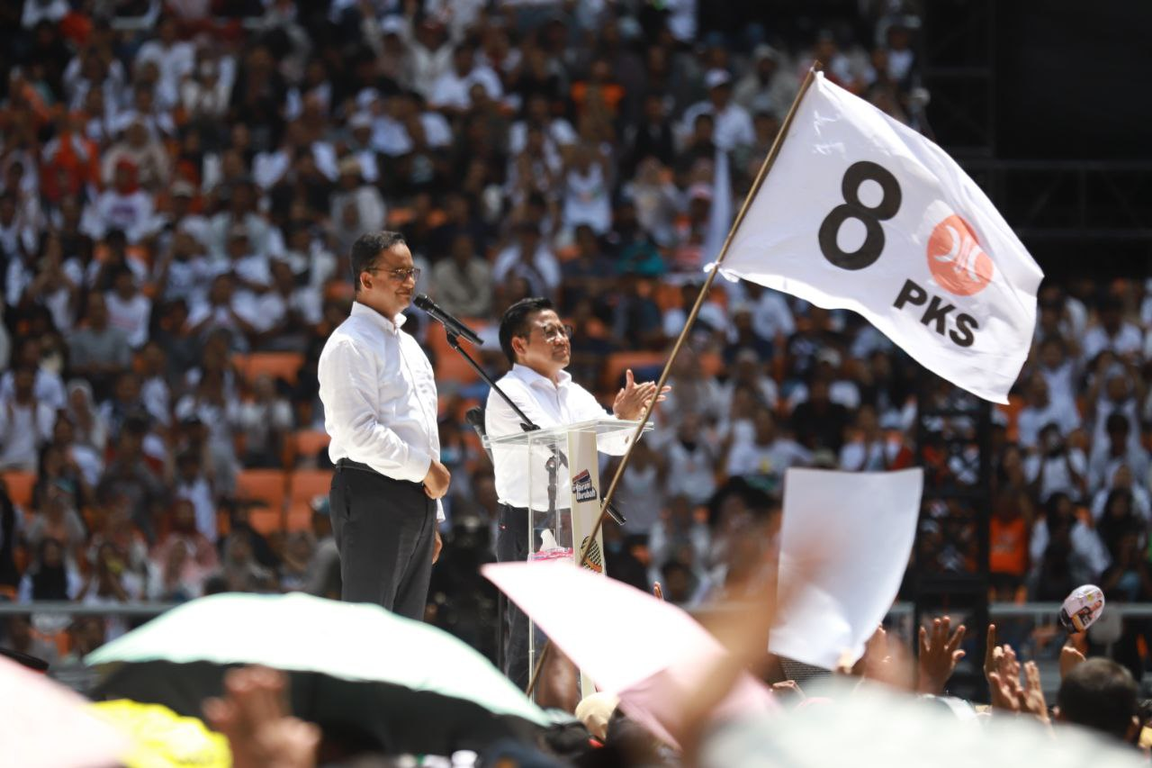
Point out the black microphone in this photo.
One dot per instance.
(451, 324)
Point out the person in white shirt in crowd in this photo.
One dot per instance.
(25, 423)
(265, 421)
(183, 270)
(47, 387)
(129, 310)
(191, 484)
(154, 390)
(530, 258)
(679, 535)
(286, 312)
(869, 450)
(769, 86)
(539, 348)
(450, 93)
(1041, 410)
(733, 123)
(587, 190)
(124, 206)
(1088, 558)
(841, 389)
(380, 404)
(1118, 449)
(264, 239)
(250, 268)
(1055, 467)
(462, 283)
(692, 454)
(1058, 369)
(430, 50)
(99, 351)
(556, 130)
(1112, 333)
(1121, 478)
(224, 310)
(1115, 389)
(143, 151)
(356, 206)
(175, 58)
(767, 454)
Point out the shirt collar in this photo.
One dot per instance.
(392, 326)
(534, 379)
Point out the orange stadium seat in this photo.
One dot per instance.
(303, 486)
(278, 365)
(20, 485)
(618, 362)
(266, 486)
(450, 366)
(308, 443)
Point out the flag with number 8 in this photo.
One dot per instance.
(860, 212)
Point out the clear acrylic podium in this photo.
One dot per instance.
(565, 492)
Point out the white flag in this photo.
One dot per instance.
(859, 212)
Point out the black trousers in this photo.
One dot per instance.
(385, 530)
(512, 546)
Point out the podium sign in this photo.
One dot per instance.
(565, 492)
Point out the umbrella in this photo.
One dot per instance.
(42, 723)
(648, 651)
(160, 737)
(362, 673)
(877, 728)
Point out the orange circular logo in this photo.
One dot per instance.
(956, 259)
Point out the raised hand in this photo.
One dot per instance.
(633, 398)
(254, 715)
(1070, 658)
(939, 655)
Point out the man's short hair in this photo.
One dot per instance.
(1101, 695)
(367, 249)
(514, 323)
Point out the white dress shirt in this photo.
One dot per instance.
(547, 405)
(379, 395)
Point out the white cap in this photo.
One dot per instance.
(717, 77)
(392, 25)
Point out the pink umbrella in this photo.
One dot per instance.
(45, 725)
(645, 650)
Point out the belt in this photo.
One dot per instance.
(362, 467)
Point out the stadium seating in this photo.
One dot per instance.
(266, 487)
(303, 486)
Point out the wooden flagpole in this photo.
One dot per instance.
(766, 166)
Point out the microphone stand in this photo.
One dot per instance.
(454, 342)
(525, 423)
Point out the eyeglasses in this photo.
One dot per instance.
(554, 332)
(399, 275)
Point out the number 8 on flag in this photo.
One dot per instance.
(860, 212)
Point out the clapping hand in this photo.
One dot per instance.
(634, 398)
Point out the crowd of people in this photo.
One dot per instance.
(179, 189)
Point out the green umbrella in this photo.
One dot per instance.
(356, 669)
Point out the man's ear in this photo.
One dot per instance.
(1134, 728)
(519, 345)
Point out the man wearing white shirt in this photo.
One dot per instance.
(451, 91)
(539, 347)
(380, 406)
(733, 123)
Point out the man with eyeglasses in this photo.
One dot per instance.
(538, 346)
(380, 405)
